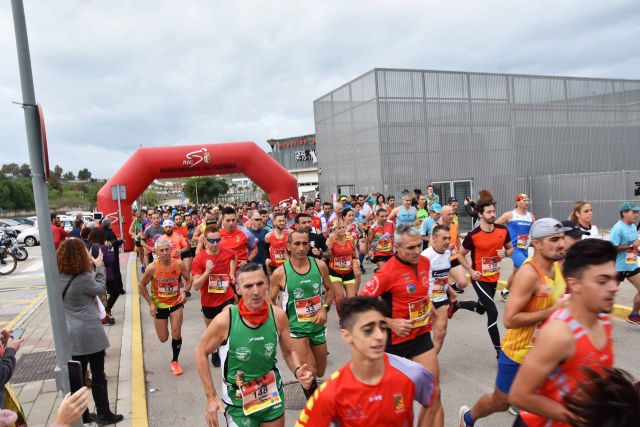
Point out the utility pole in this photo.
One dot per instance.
(38, 179)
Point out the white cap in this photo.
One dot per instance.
(167, 223)
(546, 227)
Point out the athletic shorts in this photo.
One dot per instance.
(378, 258)
(438, 304)
(138, 244)
(518, 422)
(235, 416)
(315, 338)
(415, 347)
(211, 312)
(507, 370)
(163, 313)
(626, 274)
(455, 263)
(346, 279)
(189, 253)
(519, 256)
(150, 257)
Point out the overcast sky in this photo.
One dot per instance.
(115, 75)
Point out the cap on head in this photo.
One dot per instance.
(522, 197)
(545, 227)
(574, 231)
(106, 222)
(167, 223)
(435, 208)
(628, 206)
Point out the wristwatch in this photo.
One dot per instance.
(326, 307)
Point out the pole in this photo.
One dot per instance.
(197, 202)
(120, 214)
(32, 124)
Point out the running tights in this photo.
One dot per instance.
(485, 292)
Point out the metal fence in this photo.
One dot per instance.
(554, 195)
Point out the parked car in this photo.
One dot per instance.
(12, 224)
(25, 221)
(29, 237)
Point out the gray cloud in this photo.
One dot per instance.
(116, 75)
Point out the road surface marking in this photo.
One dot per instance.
(138, 387)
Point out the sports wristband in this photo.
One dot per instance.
(295, 372)
(326, 307)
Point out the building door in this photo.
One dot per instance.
(458, 189)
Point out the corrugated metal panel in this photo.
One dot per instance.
(497, 129)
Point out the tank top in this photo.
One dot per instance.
(341, 257)
(439, 266)
(250, 350)
(517, 341)
(519, 227)
(406, 216)
(568, 375)
(302, 298)
(453, 230)
(166, 284)
(382, 242)
(352, 230)
(278, 248)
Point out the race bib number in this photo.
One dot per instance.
(440, 282)
(307, 309)
(168, 287)
(279, 255)
(523, 241)
(419, 312)
(632, 256)
(342, 263)
(491, 265)
(218, 283)
(384, 245)
(260, 394)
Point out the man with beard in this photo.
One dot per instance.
(537, 292)
(276, 241)
(317, 242)
(178, 243)
(151, 234)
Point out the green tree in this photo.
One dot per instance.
(25, 170)
(11, 168)
(69, 176)
(16, 193)
(84, 174)
(57, 171)
(209, 188)
(54, 183)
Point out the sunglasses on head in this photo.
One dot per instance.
(214, 240)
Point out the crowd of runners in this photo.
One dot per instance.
(268, 276)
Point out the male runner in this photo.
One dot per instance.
(214, 272)
(625, 238)
(167, 298)
(317, 242)
(151, 234)
(403, 284)
(421, 210)
(431, 196)
(301, 281)
(572, 339)
(325, 217)
(488, 243)
(405, 214)
(442, 296)
(453, 202)
(428, 223)
(259, 232)
(374, 388)
(178, 243)
(457, 272)
(237, 238)
(276, 241)
(518, 222)
(537, 293)
(247, 335)
(380, 239)
(135, 231)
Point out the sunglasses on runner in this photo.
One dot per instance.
(214, 240)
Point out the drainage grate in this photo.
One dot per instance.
(35, 367)
(294, 397)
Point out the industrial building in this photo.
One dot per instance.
(558, 139)
(298, 155)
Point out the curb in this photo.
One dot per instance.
(138, 387)
(27, 311)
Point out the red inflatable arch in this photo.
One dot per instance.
(148, 164)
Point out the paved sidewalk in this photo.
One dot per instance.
(38, 393)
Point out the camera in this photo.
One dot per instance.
(637, 190)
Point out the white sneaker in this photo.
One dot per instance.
(463, 410)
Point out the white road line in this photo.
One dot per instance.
(34, 267)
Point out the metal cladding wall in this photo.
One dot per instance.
(494, 129)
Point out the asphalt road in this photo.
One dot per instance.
(21, 287)
(467, 361)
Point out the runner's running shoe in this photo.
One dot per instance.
(175, 368)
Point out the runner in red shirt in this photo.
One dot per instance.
(276, 241)
(488, 243)
(214, 272)
(574, 338)
(342, 262)
(237, 238)
(380, 239)
(178, 243)
(403, 284)
(374, 388)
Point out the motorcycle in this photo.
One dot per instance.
(8, 240)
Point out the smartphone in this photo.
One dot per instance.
(76, 380)
(95, 250)
(17, 333)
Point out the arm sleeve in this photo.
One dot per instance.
(507, 237)
(470, 210)
(423, 228)
(615, 237)
(108, 256)
(95, 285)
(375, 286)
(197, 267)
(467, 243)
(7, 366)
(422, 379)
(252, 241)
(319, 410)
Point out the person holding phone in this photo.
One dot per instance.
(80, 286)
(10, 343)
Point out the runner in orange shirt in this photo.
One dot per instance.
(178, 243)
